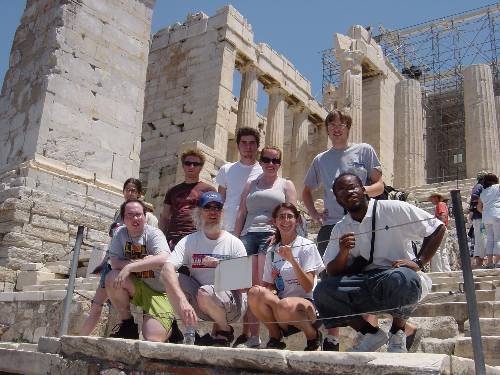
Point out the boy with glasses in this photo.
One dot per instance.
(176, 218)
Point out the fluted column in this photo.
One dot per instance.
(481, 132)
(351, 91)
(275, 118)
(247, 106)
(300, 137)
(409, 135)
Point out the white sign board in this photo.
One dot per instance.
(233, 274)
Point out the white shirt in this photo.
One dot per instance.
(491, 204)
(307, 256)
(191, 250)
(233, 177)
(391, 244)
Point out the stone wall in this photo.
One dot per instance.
(75, 85)
(70, 122)
(41, 206)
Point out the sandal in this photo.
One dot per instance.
(275, 344)
(228, 337)
(314, 344)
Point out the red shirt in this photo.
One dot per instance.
(442, 209)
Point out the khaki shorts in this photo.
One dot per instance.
(233, 302)
(153, 303)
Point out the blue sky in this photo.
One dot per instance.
(297, 29)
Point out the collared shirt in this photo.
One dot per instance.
(391, 244)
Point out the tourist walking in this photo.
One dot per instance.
(489, 206)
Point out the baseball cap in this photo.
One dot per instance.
(210, 197)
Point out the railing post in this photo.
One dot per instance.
(470, 292)
(71, 282)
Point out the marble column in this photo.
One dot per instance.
(481, 132)
(247, 106)
(351, 91)
(300, 138)
(497, 107)
(409, 135)
(275, 117)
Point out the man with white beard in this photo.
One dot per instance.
(194, 295)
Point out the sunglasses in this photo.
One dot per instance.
(213, 207)
(267, 160)
(188, 163)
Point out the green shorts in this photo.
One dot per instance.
(153, 303)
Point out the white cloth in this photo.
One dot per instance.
(154, 242)
(491, 203)
(391, 244)
(191, 250)
(357, 158)
(440, 261)
(307, 256)
(232, 177)
(479, 238)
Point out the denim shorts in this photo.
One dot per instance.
(104, 272)
(256, 242)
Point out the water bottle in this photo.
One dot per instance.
(189, 335)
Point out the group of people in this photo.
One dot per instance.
(362, 263)
(484, 216)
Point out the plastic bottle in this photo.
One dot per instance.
(189, 335)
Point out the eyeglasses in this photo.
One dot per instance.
(188, 163)
(133, 215)
(337, 125)
(131, 190)
(214, 207)
(286, 216)
(267, 160)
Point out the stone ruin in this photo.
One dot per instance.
(90, 99)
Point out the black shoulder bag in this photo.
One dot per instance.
(360, 262)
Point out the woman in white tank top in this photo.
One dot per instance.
(254, 223)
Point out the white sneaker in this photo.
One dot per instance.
(397, 342)
(253, 342)
(369, 342)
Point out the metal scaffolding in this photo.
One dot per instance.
(435, 53)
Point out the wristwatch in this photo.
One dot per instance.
(418, 262)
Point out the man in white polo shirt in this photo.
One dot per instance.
(373, 270)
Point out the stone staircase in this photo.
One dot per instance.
(487, 285)
(441, 317)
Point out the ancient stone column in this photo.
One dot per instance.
(247, 106)
(409, 135)
(481, 132)
(350, 97)
(300, 136)
(275, 117)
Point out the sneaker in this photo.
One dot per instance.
(369, 342)
(127, 329)
(397, 342)
(243, 341)
(275, 344)
(330, 345)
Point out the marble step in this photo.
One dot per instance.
(481, 295)
(489, 327)
(458, 310)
